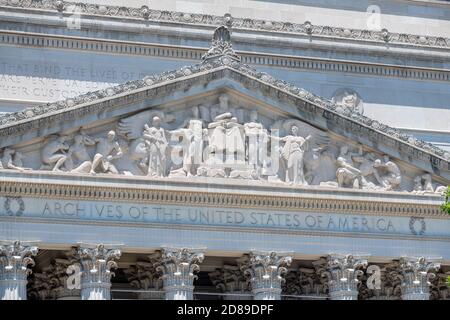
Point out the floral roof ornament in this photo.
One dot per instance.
(221, 47)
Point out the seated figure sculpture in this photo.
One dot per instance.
(12, 159)
(79, 159)
(390, 177)
(108, 150)
(347, 174)
(54, 154)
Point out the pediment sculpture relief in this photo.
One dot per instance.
(224, 141)
(348, 101)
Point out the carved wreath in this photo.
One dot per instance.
(412, 222)
(7, 206)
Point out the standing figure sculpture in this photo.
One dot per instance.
(79, 159)
(390, 174)
(192, 146)
(108, 150)
(257, 143)
(156, 142)
(293, 152)
(54, 154)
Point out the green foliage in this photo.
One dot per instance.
(446, 205)
(448, 281)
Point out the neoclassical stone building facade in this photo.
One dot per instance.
(216, 179)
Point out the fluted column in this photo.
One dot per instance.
(14, 260)
(178, 266)
(343, 275)
(96, 264)
(266, 270)
(416, 274)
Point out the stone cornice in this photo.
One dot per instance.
(305, 29)
(17, 38)
(197, 192)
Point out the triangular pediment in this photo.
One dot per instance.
(223, 103)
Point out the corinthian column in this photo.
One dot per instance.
(417, 273)
(14, 261)
(343, 276)
(266, 270)
(178, 266)
(96, 264)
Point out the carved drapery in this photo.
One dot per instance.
(178, 266)
(96, 263)
(266, 270)
(417, 274)
(15, 258)
(343, 272)
(143, 275)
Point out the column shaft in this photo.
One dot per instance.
(416, 274)
(343, 276)
(97, 263)
(178, 267)
(14, 261)
(266, 270)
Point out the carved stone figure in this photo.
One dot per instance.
(155, 139)
(257, 139)
(367, 169)
(420, 186)
(54, 154)
(390, 176)
(226, 140)
(222, 108)
(192, 146)
(12, 159)
(108, 150)
(78, 156)
(347, 100)
(292, 152)
(347, 174)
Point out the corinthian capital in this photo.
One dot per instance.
(266, 270)
(417, 272)
(268, 265)
(97, 262)
(343, 271)
(15, 259)
(180, 262)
